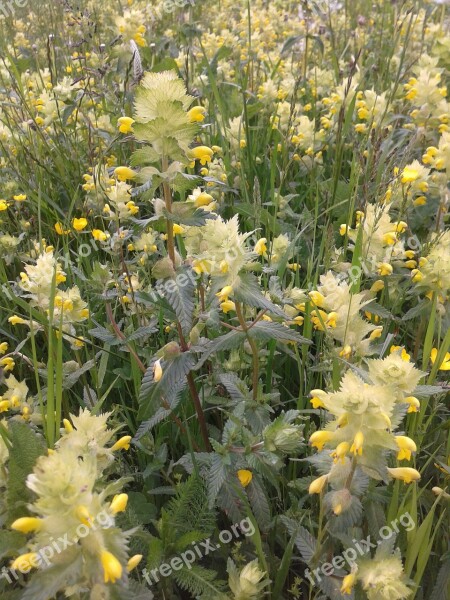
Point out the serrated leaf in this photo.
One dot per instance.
(248, 291)
(179, 293)
(304, 541)
(216, 477)
(259, 503)
(266, 331)
(166, 392)
(230, 340)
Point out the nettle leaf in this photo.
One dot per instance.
(147, 188)
(216, 478)
(173, 381)
(185, 213)
(376, 309)
(27, 446)
(266, 331)
(237, 388)
(144, 156)
(259, 503)
(248, 291)
(230, 340)
(103, 334)
(304, 541)
(184, 182)
(141, 333)
(179, 293)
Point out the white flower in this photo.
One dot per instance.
(218, 248)
(401, 375)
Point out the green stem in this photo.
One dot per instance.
(254, 348)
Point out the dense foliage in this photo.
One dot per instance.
(224, 316)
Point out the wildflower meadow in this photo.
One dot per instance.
(224, 299)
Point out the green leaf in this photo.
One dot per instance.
(266, 331)
(216, 477)
(179, 293)
(167, 389)
(248, 291)
(27, 446)
(11, 542)
(201, 583)
(230, 340)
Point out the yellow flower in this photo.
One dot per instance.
(414, 404)
(203, 199)
(260, 246)
(319, 438)
(15, 320)
(376, 333)
(124, 173)
(27, 524)
(68, 427)
(201, 153)
(3, 205)
(25, 562)
(357, 445)
(377, 286)
(389, 238)
(4, 405)
(401, 226)
(409, 175)
(112, 569)
(60, 229)
(346, 352)
(245, 476)
(445, 365)
(317, 402)
(123, 443)
(318, 484)
(405, 356)
(79, 224)
(227, 305)
(196, 114)
(406, 474)
(406, 445)
(133, 562)
(20, 197)
(177, 229)
(384, 269)
(416, 276)
(341, 451)
(157, 370)
(125, 124)
(119, 503)
(317, 298)
(83, 515)
(99, 235)
(3, 348)
(224, 293)
(347, 583)
(331, 319)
